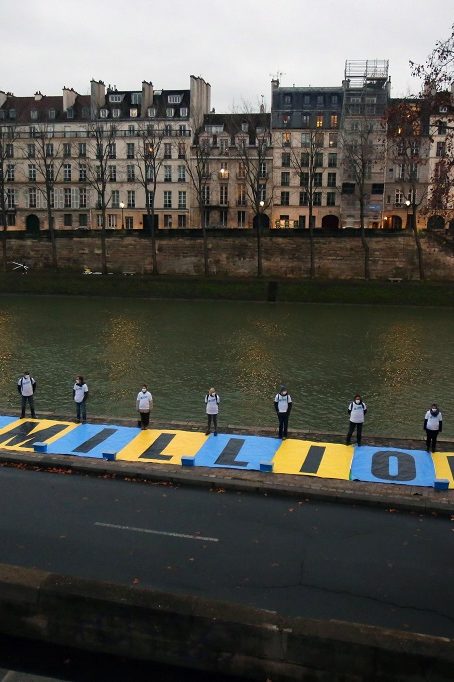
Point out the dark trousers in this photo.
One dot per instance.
(283, 424)
(144, 419)
(81, 411)
(431, 440)
(31, 402)
(359, 430)
(213, 417)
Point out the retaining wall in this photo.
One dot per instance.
(209, 635)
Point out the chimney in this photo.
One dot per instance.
(69, 98)
(98, 96)
(3, 98)
(38, 96)
(147, 97)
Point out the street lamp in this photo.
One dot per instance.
(122, 206)
(407, 204)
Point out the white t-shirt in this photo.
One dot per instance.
(144, 400)
(357, 412)
(282, 402)
(79, 392)
(212, 403)
(433, 423)
(26, 384)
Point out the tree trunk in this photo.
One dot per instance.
(422, 275)
(103, 244)
(154, 261)
(205, 242)
(4, 248)
(311, 245)
(259, 245)
(53, 242)
(364, 243)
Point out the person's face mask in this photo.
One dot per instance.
(357, 401)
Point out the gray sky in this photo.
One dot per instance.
(234, 44)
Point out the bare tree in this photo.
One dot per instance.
(253, 145)
(307, 164)
(149, 159)
(8, 136)
(408, 138)
(361, 149)
(437, 72)
(198, 169)
(102, 143)
(45, 165)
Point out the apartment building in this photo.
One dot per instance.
(306, 161)
(52, 155)
(234, 157)
(440, 163)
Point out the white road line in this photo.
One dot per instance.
(149, 531)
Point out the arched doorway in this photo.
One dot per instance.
(32, 223)
(330, 222)
(396, 222)
(435, 222)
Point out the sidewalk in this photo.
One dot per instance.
(393, 497)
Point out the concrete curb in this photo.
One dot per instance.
(203, 634)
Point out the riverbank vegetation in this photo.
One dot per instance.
(306, 291)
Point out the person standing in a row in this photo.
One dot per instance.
(283, 406)
(212, 401)
(357, 409)
(433, 425)
(26, 385)
(80, 395)
(144, 404)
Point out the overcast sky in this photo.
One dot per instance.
(234, 44)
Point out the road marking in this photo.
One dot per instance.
(149, 531)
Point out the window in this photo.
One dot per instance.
(82, 172)
(12, 113)
(167, 199)
(66, 149)
(82, 197)
(305, 139)
(34, 115)
(67, 197)
(9, 151)
(167, 150)
(304, 179)
(70, 113)
(206, 195)
(111, 221)
(182, 221)
(130, 150)
(32, 172)
(112, 173)
(332, 140)
(332, 160)
(355, 105)
(241, 218)
(115, 199)
(85, 112)
(170, 111)
(67, 219)
(334, 120)
(82, 149)
(131, 199)
(285, 160)
(288, 99)
(115, 98)
(331, 180)
(305, 159)
(150, 199)
(181, 150)
(103, 113)
(151, 112)
(285, 198)
(224, 145)
(442, 128)
(181, 173)
(331, 198)
(174, 99)
(67, 172)
(10, 172)
(112, 150)
(181, 200)
(241, 201)
(334, 99)
(129, 222)
(262, 193)
(285, 178)
(319, 100)
(31, 151)
(378, 188)
(241, 170)
(167, 220)
(398, 197)
(318, 160)
(51, 113)
(11, 198)
(184, 112)
(167, 173)
(303, 199)
(32, 197)
(305, 120)
(136, 98)
(223, 195)
(131, 130)
(116, 113)
(99, 219)
(182, 130)
(130, 173)
(317, 199)
(49, 149)
(307, 99)
(50, 171)
(441, 149)
(286, 139)
(319, 121)
(133, 113)
(83, 220)
(318, 177)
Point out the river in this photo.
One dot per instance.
(399, 358)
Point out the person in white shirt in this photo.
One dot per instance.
(356, 409)
(212, 401)
(26, 385)
(283, 406)
(144, 404)
(433, 425)
(80, 395)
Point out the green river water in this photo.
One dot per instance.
(399, 358)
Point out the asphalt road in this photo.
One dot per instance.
(284, 554)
